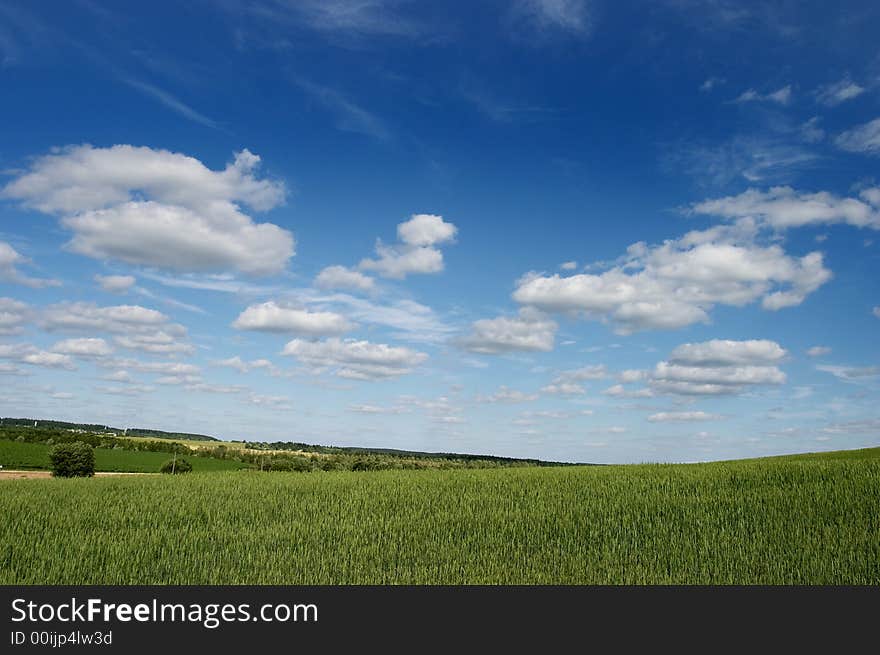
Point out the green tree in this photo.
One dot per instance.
(176, 465)
(70, 460)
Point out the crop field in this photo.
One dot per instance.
(17, 455)
(776, 521)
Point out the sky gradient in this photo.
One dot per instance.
(564, 229)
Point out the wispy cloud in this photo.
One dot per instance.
(542, 18)
(349, 116)
(171, 102)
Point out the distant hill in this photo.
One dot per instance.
(94, 427)
(394, 452)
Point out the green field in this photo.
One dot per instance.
(804, 520)
(23, 455)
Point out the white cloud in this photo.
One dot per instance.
(416, 252)
(272, 402)
(115, 283)
(505, 394)
(783, 207)
(677, 283)
(130, 390)
(862, 138)
(818, 351)
(780, 96)
(340, 277)
(632, 375)
(711, 83)
(410, 320)
(89, 316)
(620, 391)
(359, 360)
(719, 367)
(426, 230)
(157, 343)
(243, 366)
(564, 389)
(592, 372)
(28, 354)
(831, 95)
(375, 409)
(118, 376)
(529, 331)
(91, 347)
(543, 19)
(850, 373)
(163, 368)
(682, 417)
(876, 311)
(14, 314)
(272, 317)
(725, 352)
(9, 260)
(158, 208)
(810, 131)
(214, 388)
(568, 266)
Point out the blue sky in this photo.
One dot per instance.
(573, 230)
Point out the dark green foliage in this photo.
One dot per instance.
(178, 465)
(70, 460)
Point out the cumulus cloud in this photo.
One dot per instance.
(564, 389)
(619, 390)
(272, 317)
(243, 366)
(158, 208)
(834, 94)
(10, 259)
(115, 283)
(426, 230)
(780, 96)
(682, 417)
(783, 207)
(679, 282)
(505, 394)
(162, 368)
(90, 347)
(340, 277)
(14, 314)
(157, 343)
(591, 372)
(89, 316)
(358, 360)
(568, 266)
(135, 327)
(28, 354)
(725, 352)
(862, 138)
(719, 367)
(417, 250)
(529, 331)
(818, 351)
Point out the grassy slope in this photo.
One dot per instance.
(18, 455)
(780, 520)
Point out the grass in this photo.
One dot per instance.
(23, 455)
(798, 520)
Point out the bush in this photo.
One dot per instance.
(70, 460)
(179, 465)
